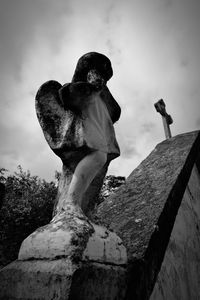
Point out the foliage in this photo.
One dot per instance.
(110, 185)
(2, 177)
(27, 205)
(2, 185)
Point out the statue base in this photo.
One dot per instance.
(61, 279)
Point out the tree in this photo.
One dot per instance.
(28, 204)
(2, 185)
(110, 185)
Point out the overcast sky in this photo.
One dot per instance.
(154, 47)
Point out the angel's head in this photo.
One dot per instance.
(94, 68)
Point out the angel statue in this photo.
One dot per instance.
(77, 121)
(59, 259)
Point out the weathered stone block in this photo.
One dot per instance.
(62, 279)
(179, 276)
(38, 279)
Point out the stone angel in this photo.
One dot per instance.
(77, 121)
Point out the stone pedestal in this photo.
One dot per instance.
(55, 263)
(61, 279)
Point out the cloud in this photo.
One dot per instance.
(154, 47)
(20, 21)
(128, 146)
(28, 149)
(198, 122)
(147, 127)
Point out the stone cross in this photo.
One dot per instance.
(167, 119)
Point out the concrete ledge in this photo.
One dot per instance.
(61, 279)
(37, 279)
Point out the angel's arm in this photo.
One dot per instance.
(74, 96)
(112, 105)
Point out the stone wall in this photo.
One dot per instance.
(179, 277)
(144, 210)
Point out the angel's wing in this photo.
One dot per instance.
(62, 128)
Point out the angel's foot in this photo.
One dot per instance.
(65, 236)
(69, 211)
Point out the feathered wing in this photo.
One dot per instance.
(61, 127)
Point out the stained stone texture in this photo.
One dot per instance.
(61, 280)
(37, 279)
(143, 211)
(92, 61)
(105, 247)
(66, 237)
(90, 197)
(58, 109)
(63, 130)
(75, 240)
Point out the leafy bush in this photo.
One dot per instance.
(110, 185)
(27, 205)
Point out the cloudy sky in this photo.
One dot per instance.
(154, 47)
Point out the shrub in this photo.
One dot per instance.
(27, 205)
